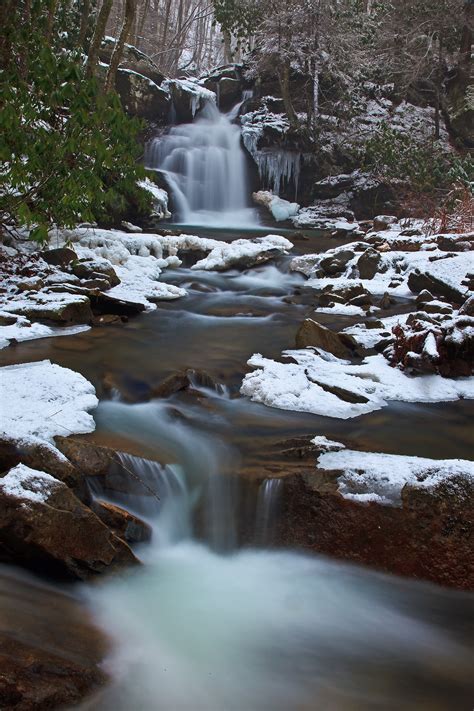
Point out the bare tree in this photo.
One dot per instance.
(128, 20)
(97, 37)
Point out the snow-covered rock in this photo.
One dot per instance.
(160, 199)
(320, 383)
(244, 253)
(280, 209)
(368, 476)
(44, 400)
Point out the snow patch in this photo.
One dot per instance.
(29, 485)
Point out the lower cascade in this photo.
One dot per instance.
(205, 167)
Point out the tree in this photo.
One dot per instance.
(97, 37)
(128, 20)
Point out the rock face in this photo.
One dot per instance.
(312, 333)
(132, 59)
(430, 536)
(50, 652)
(44, 527)
(142, 97)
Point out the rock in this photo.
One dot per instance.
(188, 379)
(7, 320)
(43, 457)
(104, 303)
(50, 651)
(312, 333)
(428, 537)
(132, 59)
(31, 284)
(459, 101)
(88, 458)
(128, 227)
(437, 307)
(362, 300)
(60, 257)
(423, 297)
(385, 302)
(229, 92)
(44, 527)
(61, 307)
(95, 268)
(336, 263)
(419, 281)
(383, 222)
(368, 263)
(467, 308)
(124, 524)
(142, 97)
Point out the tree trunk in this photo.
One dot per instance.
(97, 37)
(467, 35)
(227, 47)
(128, 20)
(284, 80)
(85, 12)
(439, 87)
(52, 5)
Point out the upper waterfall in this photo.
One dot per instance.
(205, 166)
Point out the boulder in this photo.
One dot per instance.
(44, 527)
(49, 306)
(467, 309)
(229, 91)
(124, 524)
(104, 303)
(312, 333)
(428, 537)
(383, 222)
(132, 59)
(336, 263)
(420, 281)
(142, 97)
(60, 257)
(185, 380)
(96, 268)
(368, 263)
(90, 459)
(50, 651)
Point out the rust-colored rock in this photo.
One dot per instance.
(50, 651)
(429, 537)
(312, 333)
(124, 524)
(55, 534)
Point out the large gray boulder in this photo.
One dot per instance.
(142, 97)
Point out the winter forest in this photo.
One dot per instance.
(237, 355)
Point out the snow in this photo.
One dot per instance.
(341, 310)
(30, 485)
(160, 198)
(305, 384)
(45, 400)
(393, 271)
(198, 95)
(25, 330)
(369, 337)
(26, 304)
(311, 218)
(280, 209)
(327, 445)
(225, 255)
(369, 476)
(139, 283)
(429, 347)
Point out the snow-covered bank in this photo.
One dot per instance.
(322, 384)
(44, 400)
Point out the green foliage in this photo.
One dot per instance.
(424, 166)
(239, 17)
(68, 152)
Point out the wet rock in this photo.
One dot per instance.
(60, 257)
(104, 303)
(229, 92)
(337, 263)
(109, 320)
(63, 308)
(368, 263)
(44, 527)
(362, 300)
(385, 302)
(50, 651)
(124, 524)
(312, 333)
(43, 457)
(127, 387)
(419, 281)
(95, 268)
(186, 380)
(90, 459)
(429, 537)
(383, 222)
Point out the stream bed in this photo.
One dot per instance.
(210, 625)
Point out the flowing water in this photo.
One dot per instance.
(205, 167)
(210, 624)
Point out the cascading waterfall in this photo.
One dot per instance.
(204, 165)
(267, 506)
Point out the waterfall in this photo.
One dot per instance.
(204, 165)
(267, 508)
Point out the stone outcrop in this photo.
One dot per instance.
(44, 527)
(142, 97)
